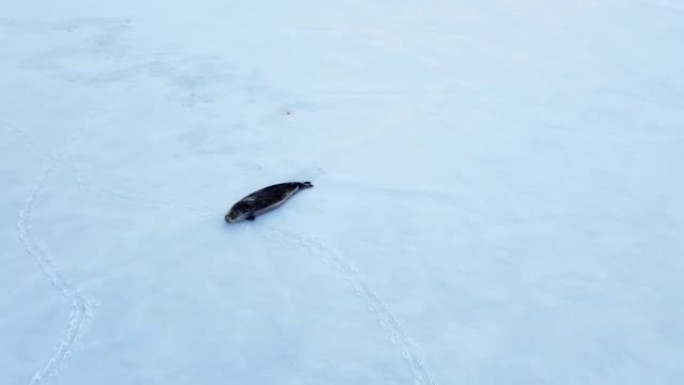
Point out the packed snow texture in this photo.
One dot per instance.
(499, 192)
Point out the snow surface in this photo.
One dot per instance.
(498, 192)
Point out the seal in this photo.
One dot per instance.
(264, 200)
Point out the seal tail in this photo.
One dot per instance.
(304, 184)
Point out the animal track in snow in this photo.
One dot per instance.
(365, 293)
(81, 309)
(181, 76)
(305, 241)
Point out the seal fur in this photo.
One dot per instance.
(264, 200)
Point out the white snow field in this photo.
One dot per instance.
(499, 192)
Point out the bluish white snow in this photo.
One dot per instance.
(499, 192)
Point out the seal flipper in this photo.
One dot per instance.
(251, 217)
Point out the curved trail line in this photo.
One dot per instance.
(87, 184)
(306, 241)
(363, 291)
(81, 309)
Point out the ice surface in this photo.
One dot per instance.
(498, 192)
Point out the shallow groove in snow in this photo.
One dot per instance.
(365, 293)
(308, 242)
(81, 310)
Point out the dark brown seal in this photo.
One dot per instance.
(264, 200)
